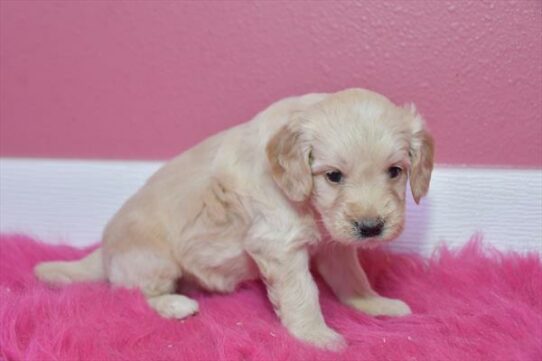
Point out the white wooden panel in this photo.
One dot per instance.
(70, 201)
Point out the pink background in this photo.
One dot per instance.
(146, 80)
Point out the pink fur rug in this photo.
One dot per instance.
(473, 304)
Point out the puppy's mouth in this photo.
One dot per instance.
(368, 228)
(365, 233)
(374, 237)
(373, 242)
(369, 241)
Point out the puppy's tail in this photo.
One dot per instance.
(90, 268)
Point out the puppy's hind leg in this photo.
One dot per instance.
(173, 306)
(156, 276)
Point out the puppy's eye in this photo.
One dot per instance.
(335, 176)
(394, 172)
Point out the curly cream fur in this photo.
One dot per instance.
(254, 202)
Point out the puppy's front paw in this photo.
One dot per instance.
(380, 306)
(322, 337)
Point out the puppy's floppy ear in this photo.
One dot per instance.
(421, 157)
(289, 161)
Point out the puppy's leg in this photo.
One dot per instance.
(173, 306)
(156, 276)
(294, 295)
(340, 268)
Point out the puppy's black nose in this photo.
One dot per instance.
(369, 227)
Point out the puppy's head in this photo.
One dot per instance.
(350, 156)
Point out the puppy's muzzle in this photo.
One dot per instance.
(368, 228)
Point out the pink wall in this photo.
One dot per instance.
(149, 79)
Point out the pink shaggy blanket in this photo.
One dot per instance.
(472, 304)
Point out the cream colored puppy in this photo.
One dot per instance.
(310, 178)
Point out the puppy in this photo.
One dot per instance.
(311, 178)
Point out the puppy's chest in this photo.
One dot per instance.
(213, 252)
